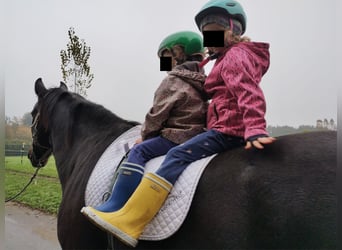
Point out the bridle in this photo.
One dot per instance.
(41, 161)
(35, 143)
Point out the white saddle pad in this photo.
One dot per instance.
(172, 214)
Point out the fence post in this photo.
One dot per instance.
(22, 152)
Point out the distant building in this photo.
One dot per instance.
(325, 124)
(319, 124)
(332, 125)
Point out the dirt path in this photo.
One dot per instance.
(29, 229)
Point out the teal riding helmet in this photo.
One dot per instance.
(231, 8)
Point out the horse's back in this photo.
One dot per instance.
(281, 197)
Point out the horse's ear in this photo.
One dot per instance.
(40, 88)
(63, 86)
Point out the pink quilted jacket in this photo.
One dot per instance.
(238, 105)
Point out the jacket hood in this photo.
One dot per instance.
(191, 73)
(259, 51)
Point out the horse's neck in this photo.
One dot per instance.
(80, 149)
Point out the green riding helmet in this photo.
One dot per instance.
(191, 41)
(231, 8)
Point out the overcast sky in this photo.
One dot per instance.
(300, 86)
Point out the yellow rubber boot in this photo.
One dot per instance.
(128, 223)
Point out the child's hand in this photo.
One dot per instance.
(258, 142)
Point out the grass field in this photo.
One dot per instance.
(44, 193)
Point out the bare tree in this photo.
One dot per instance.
(75, 68)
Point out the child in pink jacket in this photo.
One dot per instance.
(236, 113)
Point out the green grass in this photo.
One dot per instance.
(44, 193)
(23, 165)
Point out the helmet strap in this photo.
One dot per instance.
(231, 24)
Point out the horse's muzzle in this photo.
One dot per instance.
(38, 163)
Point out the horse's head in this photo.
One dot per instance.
(41, 144)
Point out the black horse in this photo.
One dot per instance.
(282, 197)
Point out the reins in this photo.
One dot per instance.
(24, 188)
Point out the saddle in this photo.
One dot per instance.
(173, 212)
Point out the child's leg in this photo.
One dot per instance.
(143, 152)
(200, 146)
(131, 171)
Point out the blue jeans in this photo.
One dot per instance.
(143, 152)
(198, 147)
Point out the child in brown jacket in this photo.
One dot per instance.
(178, 113)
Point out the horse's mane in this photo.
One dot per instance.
(73, 110)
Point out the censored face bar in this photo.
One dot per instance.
(165, 63)
(213, 38)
